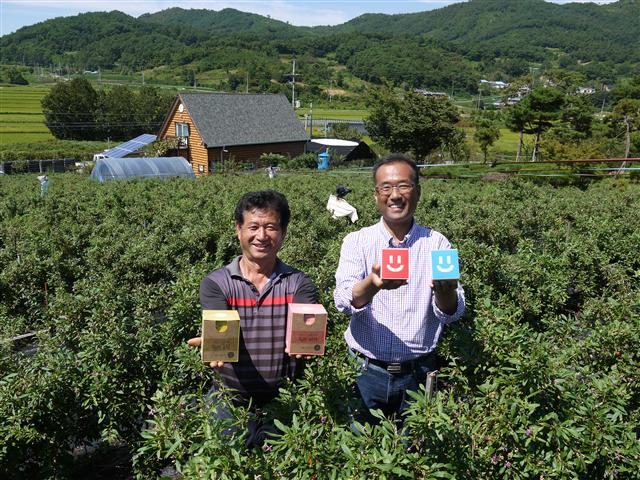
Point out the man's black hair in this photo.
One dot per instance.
(264, 200)
(398, 158)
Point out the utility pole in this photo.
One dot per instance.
(246, 89)
(293, 85)
(142, 78)
(311, 120)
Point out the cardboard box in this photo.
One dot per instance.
(306, 329)
(444, 265)
(220, 336)
(395, 264)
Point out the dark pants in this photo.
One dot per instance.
(376, 388)
(259, 427)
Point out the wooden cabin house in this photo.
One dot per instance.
(214, 127)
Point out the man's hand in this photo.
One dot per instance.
(306, 357)
(381, 283)
(364, 291)
(446, 295)
(196, 342)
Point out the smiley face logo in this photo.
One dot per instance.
(391, 262)
(445, 260)
(444, 265)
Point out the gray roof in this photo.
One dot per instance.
(228, 119)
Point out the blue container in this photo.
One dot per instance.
(323, 160)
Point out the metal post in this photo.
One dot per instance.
(430, 386)
(293, 85)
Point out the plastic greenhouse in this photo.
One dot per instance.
(154, 167)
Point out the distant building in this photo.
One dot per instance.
(214, 127)
(498, 84)
(429, 93)
(586, 90)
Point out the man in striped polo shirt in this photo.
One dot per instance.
(259, 286)
(395, 324)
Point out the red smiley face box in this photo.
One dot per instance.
(395, 264)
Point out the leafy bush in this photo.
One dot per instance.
(541, 376)
(306, 160)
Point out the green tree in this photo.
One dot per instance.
(150, 108)
(70, 110)
(578, 114)
(565, 80)
(516, 120)
(115, 119)
(344, 132)
(16, 78)
(414, 123)
(486, 133)
(626, 114)
(543, 107)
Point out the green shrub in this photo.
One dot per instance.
(540, 377)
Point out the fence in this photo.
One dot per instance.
(58, 165)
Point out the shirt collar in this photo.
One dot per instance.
(409, 238)
(281, 268)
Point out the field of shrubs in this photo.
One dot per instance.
(539, 380)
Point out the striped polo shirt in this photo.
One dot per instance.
(262, 363)
(401, 324)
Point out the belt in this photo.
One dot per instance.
(395, 367)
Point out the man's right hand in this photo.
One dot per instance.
(196, 342)
(364, 291)
(381, 283)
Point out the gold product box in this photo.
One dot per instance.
(306, 329)
(220, 336)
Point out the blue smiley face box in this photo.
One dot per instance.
(444, 265)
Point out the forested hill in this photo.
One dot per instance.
(528, 29)
(457, 45)
(225, 21)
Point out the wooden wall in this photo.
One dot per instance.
(196, 153)
(201, 159)
(251, 153)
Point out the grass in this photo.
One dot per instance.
(333, 114)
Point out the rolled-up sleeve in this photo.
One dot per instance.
(351, 270)
(446, 318)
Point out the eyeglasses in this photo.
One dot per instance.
(386, 189)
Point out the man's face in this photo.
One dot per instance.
(398, 204)
(260, 234)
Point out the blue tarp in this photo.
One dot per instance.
(154, 167)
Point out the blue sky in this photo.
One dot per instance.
(15, 14)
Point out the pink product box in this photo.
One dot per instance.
(306, 329)
(395, 264)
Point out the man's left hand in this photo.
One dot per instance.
(446, 295)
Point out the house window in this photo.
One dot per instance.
(182, 133)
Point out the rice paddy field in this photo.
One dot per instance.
(21, 118)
